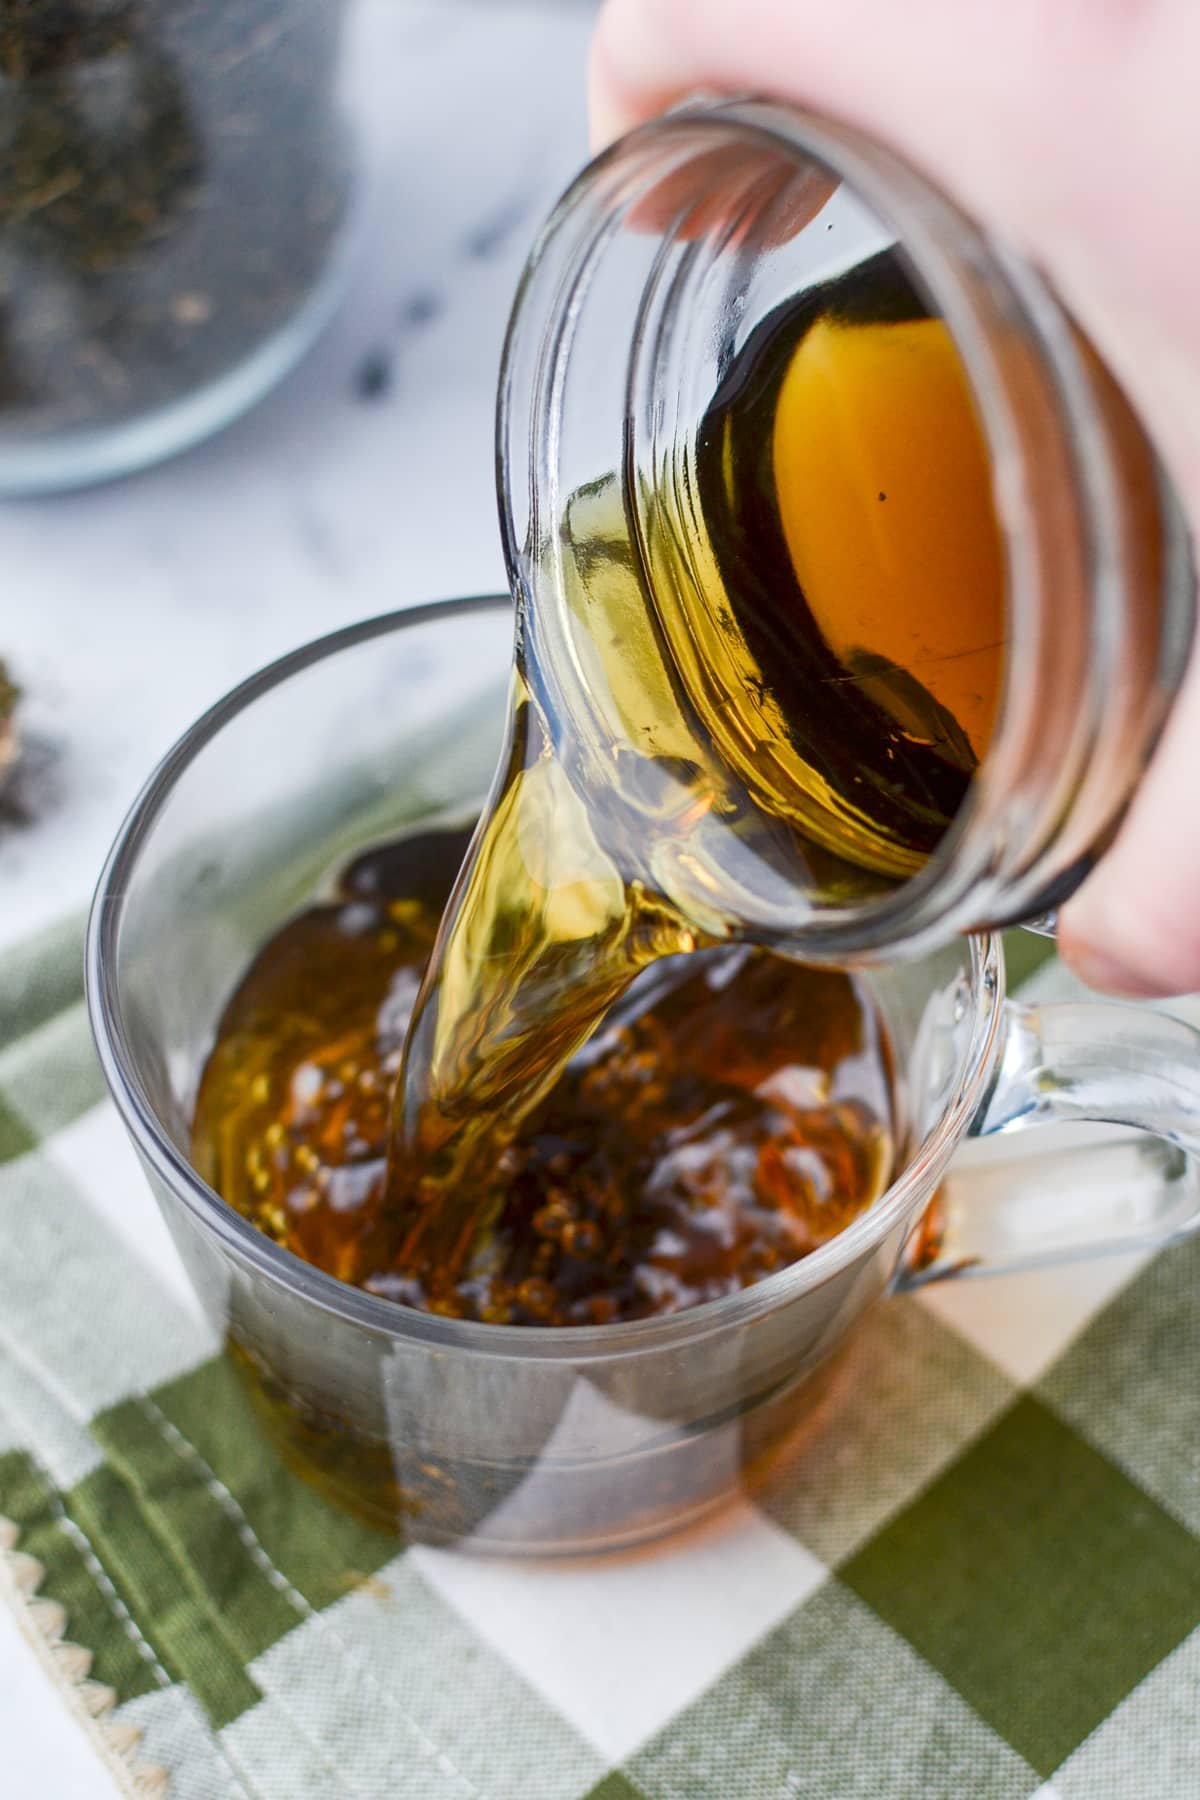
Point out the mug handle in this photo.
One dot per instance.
(1009, 1203)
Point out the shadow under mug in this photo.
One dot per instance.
(582, 1438)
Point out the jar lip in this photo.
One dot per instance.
(948, 254)
(324, 1292)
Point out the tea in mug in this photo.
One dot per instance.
(731, 1114)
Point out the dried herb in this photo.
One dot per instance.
(172, 174)
(10, 693)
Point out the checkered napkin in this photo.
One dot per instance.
(983, 1579)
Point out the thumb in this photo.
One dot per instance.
(1134, 926)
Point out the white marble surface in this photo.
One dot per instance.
(126, 610)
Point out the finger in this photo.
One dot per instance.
(916, 75)
(1069, 125)
(1134, 927)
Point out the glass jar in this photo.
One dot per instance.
(175, 182)
(655, 269)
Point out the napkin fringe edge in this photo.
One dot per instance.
(42, 1621)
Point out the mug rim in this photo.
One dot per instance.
(246, 1244)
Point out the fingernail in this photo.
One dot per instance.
(1100, 969)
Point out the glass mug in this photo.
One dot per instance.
(522, 1440)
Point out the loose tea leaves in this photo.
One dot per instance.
(172, 177)
(10, 693)
(732, 1115)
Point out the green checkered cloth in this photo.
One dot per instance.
(982, 1580)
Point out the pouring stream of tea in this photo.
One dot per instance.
(797, 652)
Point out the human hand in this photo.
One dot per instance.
(1070, 127)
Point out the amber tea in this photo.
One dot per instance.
(732, 1113)
(581, 1093)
